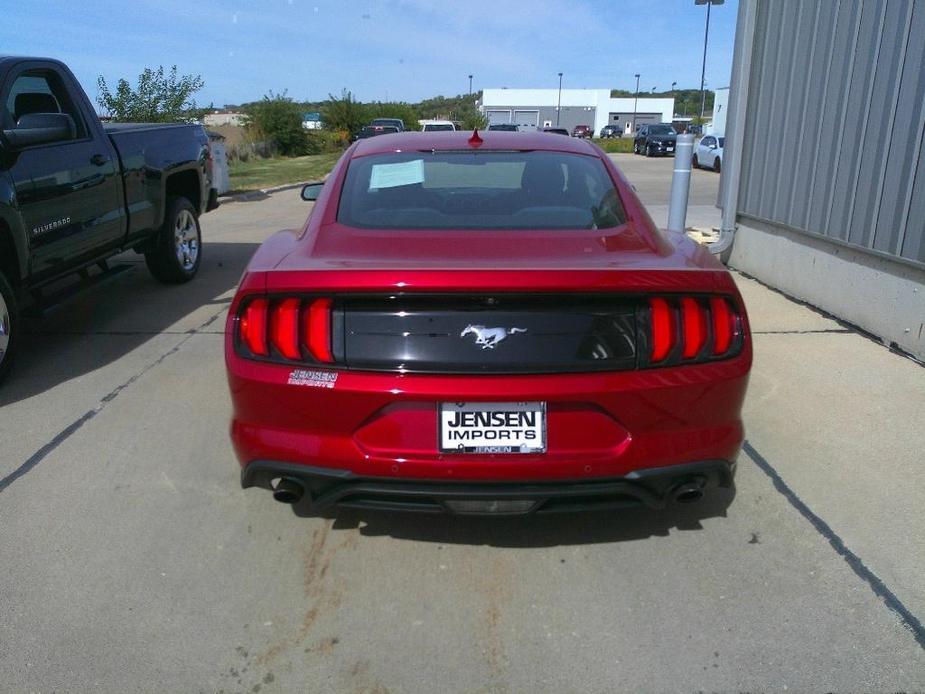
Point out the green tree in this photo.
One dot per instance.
(158, 98)
(344, 114)
(278, 119)
(471, 118)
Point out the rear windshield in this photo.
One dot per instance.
(479, 190)
(431, 127)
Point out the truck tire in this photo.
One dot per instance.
(9, 327)
(177, 251)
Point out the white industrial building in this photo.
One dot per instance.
(538, 108)
(717, 126)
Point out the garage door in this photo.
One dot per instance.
(496, 117)
(527, 120)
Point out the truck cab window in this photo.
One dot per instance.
(41, 91)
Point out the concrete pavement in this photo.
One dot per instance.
(132, 560)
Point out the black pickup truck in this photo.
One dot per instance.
(74, 192)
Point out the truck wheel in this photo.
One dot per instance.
(9, 327)
(176, 253)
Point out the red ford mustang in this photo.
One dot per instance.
(484, 324)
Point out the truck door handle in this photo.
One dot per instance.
(98, 160)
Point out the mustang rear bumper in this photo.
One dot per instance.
(653, 488)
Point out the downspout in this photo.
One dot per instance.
(728, 198)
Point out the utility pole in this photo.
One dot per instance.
(706, 37)
(635, 102)
(470, 85)
(559, 102)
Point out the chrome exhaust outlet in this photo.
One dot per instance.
(687, 493)
(288, 491)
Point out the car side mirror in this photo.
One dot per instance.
(39, 129)
(311, 191)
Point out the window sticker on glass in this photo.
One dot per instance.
(404, 173)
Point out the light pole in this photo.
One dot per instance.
(706, 36)
(673, 84)
(635, 102)
(470, 85)
(559, 102)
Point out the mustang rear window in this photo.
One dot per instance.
(479, 190)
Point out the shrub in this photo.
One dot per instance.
(278, 119)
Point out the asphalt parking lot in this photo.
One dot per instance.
(130, 558)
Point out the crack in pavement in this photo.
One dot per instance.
(74, 426)
(843, 331)
(890, 600)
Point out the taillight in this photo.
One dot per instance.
(253, 324)
(662, 329)
(319, 330)
(723, 324)
(290, 328)
(695, 327)
(284, 328)
(689, 329)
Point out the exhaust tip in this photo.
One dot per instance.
(688, 493)
(288, 491)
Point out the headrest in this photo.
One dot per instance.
(34, 102)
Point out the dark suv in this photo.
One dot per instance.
(658, 138)
(609, 131)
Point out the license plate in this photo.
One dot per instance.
(493, 427)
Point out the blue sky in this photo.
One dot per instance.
(379, 49)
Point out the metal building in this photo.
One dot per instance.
(823, 191)
(537, 108)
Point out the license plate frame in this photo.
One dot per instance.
(482, 443)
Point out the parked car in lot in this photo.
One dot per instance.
(655, 139)
(609, 131)
(708, 154)
(373, 130)
(505, 127)
(73, 192)
(582, 131)
(396, 123)
(556, 131)
(528, 344)
(433, 126)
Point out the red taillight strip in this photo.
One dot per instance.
(695, 327)
(662, 329)
(723, 325)
(318, 329)
(689, 329)
(253, 327)
(284, 328)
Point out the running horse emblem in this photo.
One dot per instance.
(488, 338)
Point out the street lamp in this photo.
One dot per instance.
(635, 102)
(706, 36)
(470, 85)
(673, 98)
(559, 102)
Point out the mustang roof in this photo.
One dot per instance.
(459, 140)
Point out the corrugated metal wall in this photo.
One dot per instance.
(835, 122)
